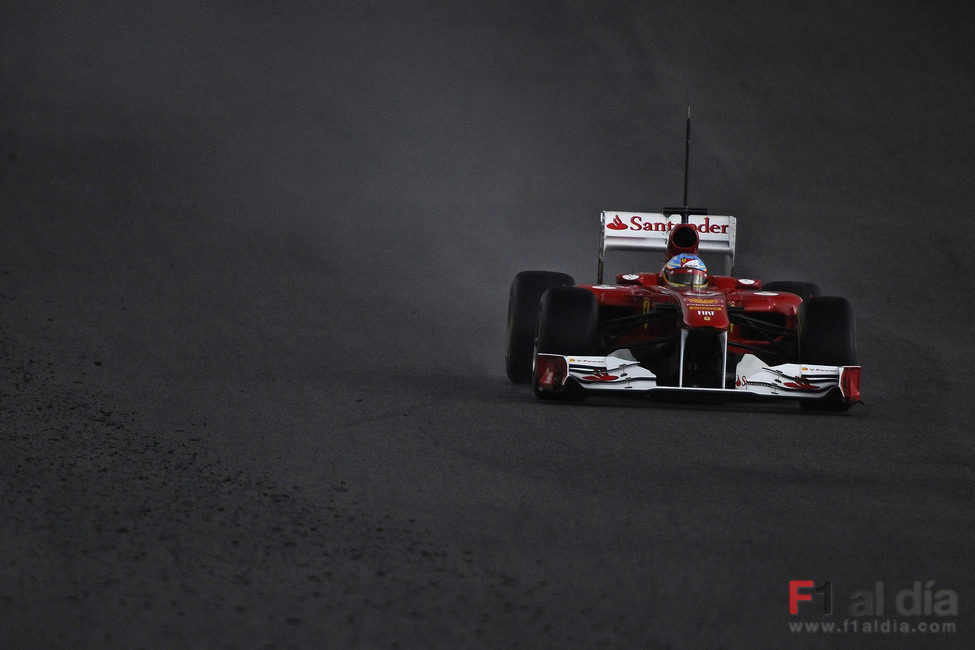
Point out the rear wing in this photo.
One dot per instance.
(650, 231)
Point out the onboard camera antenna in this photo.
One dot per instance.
(684, 211)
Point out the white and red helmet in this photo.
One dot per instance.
(686, 271)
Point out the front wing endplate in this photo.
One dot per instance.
(621, 372)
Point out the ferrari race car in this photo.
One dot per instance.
(680, 330)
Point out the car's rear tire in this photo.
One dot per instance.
(804, 290)
(526, 291)
(568, 318)
(827, 337)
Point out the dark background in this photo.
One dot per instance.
(255, 260)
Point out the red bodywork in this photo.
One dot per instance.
(649, 317)
(706, 309)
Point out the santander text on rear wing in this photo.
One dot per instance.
(650, 231)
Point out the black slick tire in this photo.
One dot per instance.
(568, 318)
(827, 337)
(526, 292)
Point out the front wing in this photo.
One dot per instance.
(621, 372)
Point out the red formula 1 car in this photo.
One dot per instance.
(681, 329)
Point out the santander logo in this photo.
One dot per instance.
(636, 222)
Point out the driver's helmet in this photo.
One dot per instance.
(686, 271)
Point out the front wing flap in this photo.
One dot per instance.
(621, 372)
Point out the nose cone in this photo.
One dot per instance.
(704, 309)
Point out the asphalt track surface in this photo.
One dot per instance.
(254, 266)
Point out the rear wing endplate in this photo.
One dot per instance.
(650, 231)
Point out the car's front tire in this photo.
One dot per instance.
(568, 319)
(827, 337)
(526, 292)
